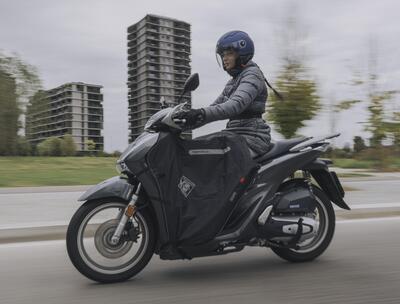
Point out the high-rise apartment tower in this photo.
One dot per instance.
(158, 65)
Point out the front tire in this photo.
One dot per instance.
(94, 256)
(313, 250)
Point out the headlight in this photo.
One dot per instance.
(121, 167)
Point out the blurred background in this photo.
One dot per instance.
(335, 63)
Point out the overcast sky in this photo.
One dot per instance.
(86, 41)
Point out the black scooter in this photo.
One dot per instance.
(275, 204)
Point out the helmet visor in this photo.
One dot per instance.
(235, 46)
(219, 60)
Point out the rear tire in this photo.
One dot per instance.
(300, 255)
(79, 256)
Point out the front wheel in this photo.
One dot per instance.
(312, 248)
(89, 243)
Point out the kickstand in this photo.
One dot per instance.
(296, 238)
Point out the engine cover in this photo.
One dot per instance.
(296, 200)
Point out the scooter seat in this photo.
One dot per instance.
(280, 147)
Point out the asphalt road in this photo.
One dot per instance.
(362, 265)
(32, 207)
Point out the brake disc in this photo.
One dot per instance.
(102, 241)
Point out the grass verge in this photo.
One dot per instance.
(55, 171)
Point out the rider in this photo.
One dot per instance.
(243, 99)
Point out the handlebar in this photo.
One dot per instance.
(179, 121)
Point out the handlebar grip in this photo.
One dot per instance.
(179, 121)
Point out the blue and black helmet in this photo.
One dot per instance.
(238, 41)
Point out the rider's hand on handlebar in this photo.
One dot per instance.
(192, 118)
(179, 121)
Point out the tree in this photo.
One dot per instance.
(36, 121)
(18, 81)
(91, 145)
(359, 144)
(378, 123)
(24, 148)
(68, 146)
(26, 75)
(301, 101)
(396, 131)
(9, 113)
(43, 148)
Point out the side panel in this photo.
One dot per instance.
(112, 187)
(282, 167)
(260, 196)
(262, 191)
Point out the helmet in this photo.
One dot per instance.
(238, 41)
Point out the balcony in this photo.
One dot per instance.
(182, 26)
(154, 20)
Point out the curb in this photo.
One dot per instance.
(367, 213)
(40, 189)
(32, 234)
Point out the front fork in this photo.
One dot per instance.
(129, 211)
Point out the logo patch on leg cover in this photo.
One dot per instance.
(186, 186)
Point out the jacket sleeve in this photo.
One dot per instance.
(247, 90)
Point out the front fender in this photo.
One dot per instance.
(112, 187)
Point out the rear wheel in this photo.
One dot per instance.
(91, 250)
(314, 247)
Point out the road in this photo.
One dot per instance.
(56, 205)
(361, 266)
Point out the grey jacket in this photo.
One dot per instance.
(245, 93)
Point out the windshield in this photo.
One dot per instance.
(164, 117)
(156, 118)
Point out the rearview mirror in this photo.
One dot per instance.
(191, 83)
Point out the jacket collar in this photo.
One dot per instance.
(237, 70)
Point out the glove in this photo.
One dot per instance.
(194, 117)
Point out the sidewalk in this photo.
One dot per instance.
(43, 213)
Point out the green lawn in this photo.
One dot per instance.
(55, 171)
(62, 171)
(390, 164)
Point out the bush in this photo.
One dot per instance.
(381, 156)
(68, 146)
(341, 153)
(116, 153)
(24, 148)
(91, 146)
(50, 147)
(105, 154)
